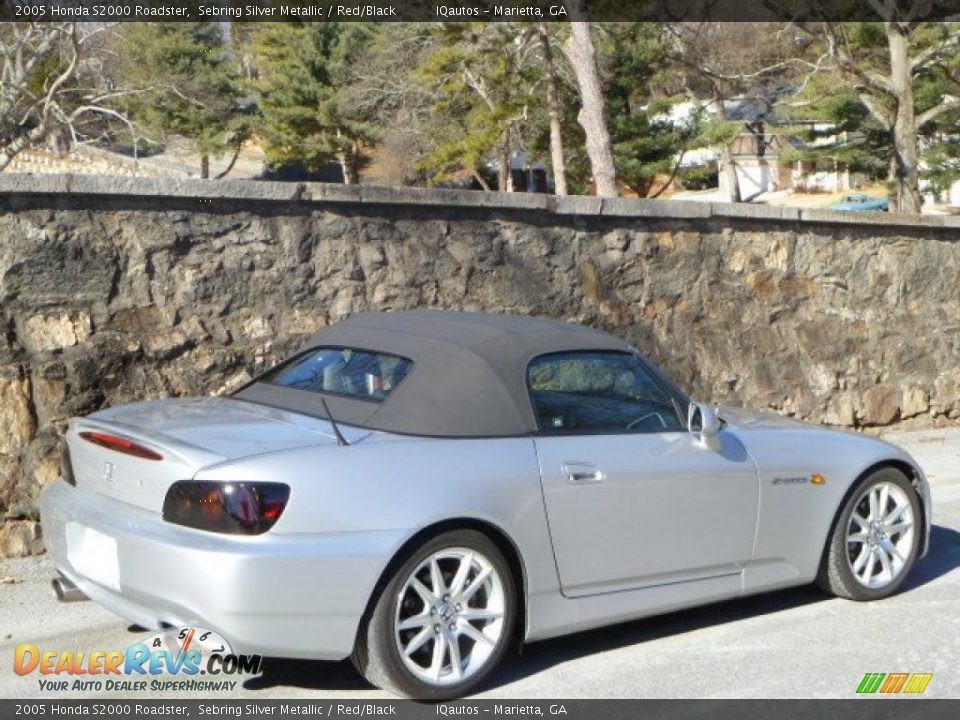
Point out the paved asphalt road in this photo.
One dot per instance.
(793, 643)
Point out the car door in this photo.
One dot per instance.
(633, 498)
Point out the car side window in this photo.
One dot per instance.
(599, 392)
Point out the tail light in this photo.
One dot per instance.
(239, 508)
(120, 445)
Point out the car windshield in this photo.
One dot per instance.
(361, 374)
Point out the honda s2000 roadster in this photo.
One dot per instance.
(420, 490)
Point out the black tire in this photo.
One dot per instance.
(376, 655)
(836, 575)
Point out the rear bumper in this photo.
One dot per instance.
(276, 595)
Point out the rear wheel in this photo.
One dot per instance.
(876, 538)
(444, 620)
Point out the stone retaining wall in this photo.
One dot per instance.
(118, 289)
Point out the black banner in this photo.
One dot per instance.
(474, 10)
(865, 709)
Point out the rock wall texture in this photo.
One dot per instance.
(118, 290)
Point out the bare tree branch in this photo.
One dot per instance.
(49, 77)
(938, 110)
(871, 103)
(67, 72)
(934, 52)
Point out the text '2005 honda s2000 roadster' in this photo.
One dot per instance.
(421, 490)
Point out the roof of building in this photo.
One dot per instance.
(468, 377)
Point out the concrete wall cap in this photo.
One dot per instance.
(329, 193)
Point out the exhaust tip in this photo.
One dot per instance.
(65, 591)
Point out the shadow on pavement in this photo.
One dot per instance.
(943, 558)
(540, 656)
(317, 675)
(308, 674)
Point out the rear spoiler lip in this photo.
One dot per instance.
(195, 456)
(164, 444)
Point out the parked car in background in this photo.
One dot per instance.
(420, 490)
(861, 202)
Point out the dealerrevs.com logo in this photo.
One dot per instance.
(174, 660)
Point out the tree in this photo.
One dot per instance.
(396, 103)
(304, 70)
(906, 75)
(581, 53)
(51, 85)
(835, 125)
(719, 61)
(183, 80)
(554, 111)
(482, 80)
(640, 91)
(942, 160)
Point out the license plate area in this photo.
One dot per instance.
(94, 555)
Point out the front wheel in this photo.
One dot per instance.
(444, 620)
(875, 540)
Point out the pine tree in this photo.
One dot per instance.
(648, 144)
(640, 86)
(185, 82)
(304, 71)
(481, 76)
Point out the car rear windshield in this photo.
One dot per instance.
(361, 374)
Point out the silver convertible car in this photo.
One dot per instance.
(420, 490)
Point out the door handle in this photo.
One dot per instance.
(581, 473)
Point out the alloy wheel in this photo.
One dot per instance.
(449, 616)
(880, 535)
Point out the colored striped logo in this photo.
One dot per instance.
(892, 683)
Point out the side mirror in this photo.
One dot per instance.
(702, 419)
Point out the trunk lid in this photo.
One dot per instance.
(189, 434)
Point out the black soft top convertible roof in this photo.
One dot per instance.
(468, 377)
